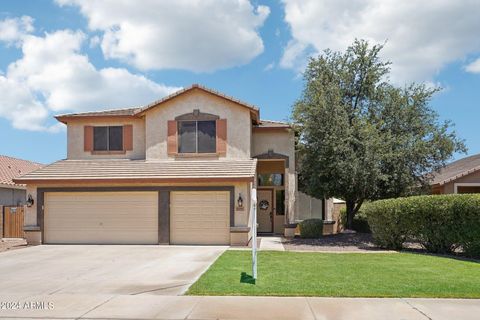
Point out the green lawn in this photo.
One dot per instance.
(340, 275)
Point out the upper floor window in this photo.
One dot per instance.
(197, 136)
(108, 138)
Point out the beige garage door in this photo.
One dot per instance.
(101, 217)
(201, 217)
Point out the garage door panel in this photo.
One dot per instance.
(201, 217)
(96, 237)
(200, 225)
(101, 217)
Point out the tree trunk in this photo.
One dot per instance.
(350, 213)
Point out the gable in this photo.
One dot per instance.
(201, 91)
(237, 123)
(139, 112)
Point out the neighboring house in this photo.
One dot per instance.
(11, 193)
(461, 176)
(178, 171)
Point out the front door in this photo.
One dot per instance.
(265, 210)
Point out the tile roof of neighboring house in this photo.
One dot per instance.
(139, 170)
(457, 169)
(272, 124)
(137, 111)
(11, 168)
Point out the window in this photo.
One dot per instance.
(280, 202)
(270, 179)
(197, 137)
(108, 138)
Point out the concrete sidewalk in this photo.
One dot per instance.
(77, 306)
(271, 243)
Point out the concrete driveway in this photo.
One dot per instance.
(105, 269)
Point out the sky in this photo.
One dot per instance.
(61, 56)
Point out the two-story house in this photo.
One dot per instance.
(177, 171)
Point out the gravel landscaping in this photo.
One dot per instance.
(354, 242)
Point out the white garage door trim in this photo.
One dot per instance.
(200, 217)
(117, 217)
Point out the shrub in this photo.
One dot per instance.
(441, 223)
(360, 222)
(311, 228)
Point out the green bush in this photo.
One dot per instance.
(311, 228)
(441, 223)
(360, 222)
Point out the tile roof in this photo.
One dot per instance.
(136, 111)
(11, 168)
(272, 124)
(457, 169)
(198, 86)
(133, 170)
(103, 113)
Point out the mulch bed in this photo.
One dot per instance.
(361, 242)
(356, 242)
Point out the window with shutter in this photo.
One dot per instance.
(197, 136)
(108, 138)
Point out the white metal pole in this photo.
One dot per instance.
(254, 233)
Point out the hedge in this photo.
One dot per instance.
(311, 228)
(441, 223)
(360, 222)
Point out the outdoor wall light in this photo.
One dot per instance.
(240, 201)
(30, 201)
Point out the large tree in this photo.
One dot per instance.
(362, 138)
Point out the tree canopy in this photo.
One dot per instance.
(360, 137)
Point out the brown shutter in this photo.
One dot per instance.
(128, 137)
(222, 137)
(172, 137)
(88, 138)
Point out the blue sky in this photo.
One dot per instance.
(67, 55)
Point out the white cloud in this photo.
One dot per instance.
(473, 67)
(19, 105)
(12, 30)
(95, 41)
(53, 75)
(269, 66)
(422, 36)
(196, 35)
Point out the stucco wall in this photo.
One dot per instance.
(281, 141)
(238, 123)
(9, 197)
(471, 178)
(75, 136)
(31, 212)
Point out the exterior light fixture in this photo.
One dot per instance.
(240, 201)
(30, 201)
